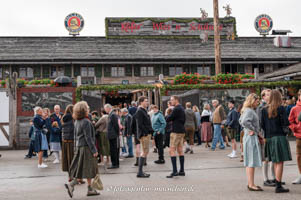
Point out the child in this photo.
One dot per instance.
(32, 139)
(55, 144)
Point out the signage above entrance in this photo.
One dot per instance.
(263, 24)
(74, 23)
(168, 27)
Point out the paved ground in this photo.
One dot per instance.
(209, 175)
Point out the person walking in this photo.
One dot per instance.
(102, 127)
(218, 117)
(206, 119)
(144, 131)
(190, 127)
(158, 125)
(266, 165)
(252, 154)
(232, 125)
(84, 163)
(273, 121)
(177, 136)
(295, 126)
(113, 135)
(198, 121)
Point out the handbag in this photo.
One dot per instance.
(261, 140)
(96, 183)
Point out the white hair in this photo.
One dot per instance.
(124, 110)
(215, 101)
(36, 109)
(108, 106)
(133, 103)
(57, 106)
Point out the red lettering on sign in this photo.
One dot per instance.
(192, 27)
(130, 26)
(178, 27)
(161, 26)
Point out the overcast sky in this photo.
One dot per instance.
(46, 17)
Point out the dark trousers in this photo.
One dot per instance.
(114, 152)
(198, 135)
(31, 149)
(166, 139)
(159, 145)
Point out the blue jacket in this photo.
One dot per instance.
(55, 133)
(158, 123)
(232, 119)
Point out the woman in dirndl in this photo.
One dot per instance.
(84, 163)
(274, 122)
(41, 143)
(206, 125)
(252, 153)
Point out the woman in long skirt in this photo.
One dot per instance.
(252, 154)
(84, 163)
(41, 143)
(206, 125)
(277, 149)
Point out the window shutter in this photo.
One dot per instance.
(136, 70)
(157, 70)
(165, 70)
(67, 71)
(98, 71)
(212, 70)
(128, 70)
(76, 70)
(107, 71)
(46, 71)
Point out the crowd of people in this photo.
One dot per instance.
(86, 139)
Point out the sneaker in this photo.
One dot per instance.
(56, 161)
(27, 157)
(230, 155)
(92, 192)
(233, 155)
(42, 166)
(297, 181)
(46, 160)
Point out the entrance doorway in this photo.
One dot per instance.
(120, 99)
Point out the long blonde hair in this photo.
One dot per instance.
(274, 102)
(249, 102)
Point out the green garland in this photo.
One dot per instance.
(227, 20)
(110, 88)
(256, 86)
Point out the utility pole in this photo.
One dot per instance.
(217, 39)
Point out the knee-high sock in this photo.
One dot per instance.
(265, 171)
(272, 170)
(141, 163)
(182, 163)
(174, 164)
(56, 155)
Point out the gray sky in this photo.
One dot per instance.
(46, 17)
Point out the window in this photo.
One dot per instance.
(147, 71)
(175, 71)
(259, 66)
(60, 71)
(29, 72)
(1, 72)
(84, 72)
(118, 71)
(53, 72)
(205, 70)
(91, 71)
(22, 72)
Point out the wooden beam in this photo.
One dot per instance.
(217, 38)
(4, 132)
